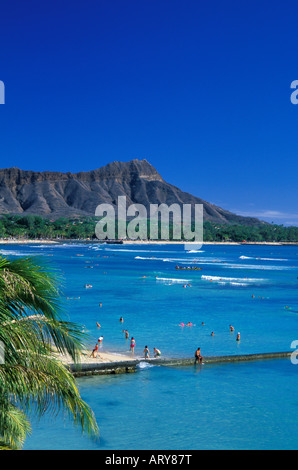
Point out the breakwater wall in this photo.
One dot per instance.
(129, 366)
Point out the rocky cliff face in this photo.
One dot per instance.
(54, 194)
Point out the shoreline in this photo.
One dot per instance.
(27, 242)
(141, 242)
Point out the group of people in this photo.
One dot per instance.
(95, 352)
(232, 329)
(156, 352)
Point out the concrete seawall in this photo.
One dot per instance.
(122, 367)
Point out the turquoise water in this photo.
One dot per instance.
(232, 406)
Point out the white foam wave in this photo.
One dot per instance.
(14, 253)
(171, 280)
(144, 365)
(263, 259)
(233, 279)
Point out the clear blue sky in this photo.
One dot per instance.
(200, 89)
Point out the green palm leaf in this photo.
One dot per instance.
(33, 333)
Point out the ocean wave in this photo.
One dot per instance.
(258, 267)
(263, 259)
(144, 365)
(164, 279)
(16, 253)
(120, 250)
(233, 279)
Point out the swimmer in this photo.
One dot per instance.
(100, 339)
(146, 352)
(100, 304)
(212, 334)
(98, 325)
(121, 320)
(232, 328)
(126, 334)
(238, 337)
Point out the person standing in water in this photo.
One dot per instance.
(238, 337)
(146, 352)
(132, 345)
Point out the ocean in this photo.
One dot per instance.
(231, 406)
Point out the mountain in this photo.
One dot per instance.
(54, 194)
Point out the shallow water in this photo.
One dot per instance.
(232, 406)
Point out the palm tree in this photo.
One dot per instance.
(32, 379)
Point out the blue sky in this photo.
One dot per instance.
(200, 89)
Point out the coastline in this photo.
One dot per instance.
(27, 242)
(141, 242)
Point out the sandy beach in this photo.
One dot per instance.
(102, 358)
(26, 242)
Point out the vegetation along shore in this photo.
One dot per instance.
(30, 228)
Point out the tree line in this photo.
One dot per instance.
(83, 228)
